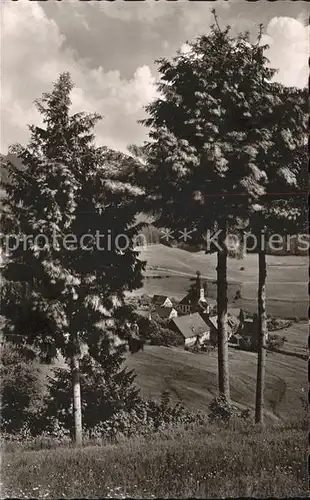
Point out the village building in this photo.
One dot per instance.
(161, 300)
(249, 331)
(195, 300)
(193, 329)
(236, 339)
(192, 319)
(211, 321)
(185, 306)
(165, 312)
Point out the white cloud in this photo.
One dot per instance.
(289, 49)
(34, 54)
(147, 12)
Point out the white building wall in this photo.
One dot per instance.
(190, 341)
(173, 314)
(167, 303)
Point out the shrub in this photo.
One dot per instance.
(274, 324)
(195, 349)
(170, 337)
(106, 389)
(157, 332)
(208, 347)
(276, 341)
(223, 410)
(21, 390)
(146, 418)
(245, 344)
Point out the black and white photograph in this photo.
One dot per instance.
(154, 249)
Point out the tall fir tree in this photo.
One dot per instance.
(74, 211)
(283, 208)
(206, 134)
(107, 388)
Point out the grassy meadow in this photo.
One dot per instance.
(201, 462)
(193, 377)
(169, 269)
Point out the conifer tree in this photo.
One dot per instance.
(74, 213)
(107, 387)
(283, 208)
(206, 135)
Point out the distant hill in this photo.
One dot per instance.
(169, 270)
(4, 172)
(4, 176)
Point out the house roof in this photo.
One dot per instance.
(248, 327)
(188, 300)
(236, 336)
(233, 323)
(191, 299)
(163, 312)
(191, 325)
(159, 299)
(212, 320)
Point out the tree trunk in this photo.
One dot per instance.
(261, 336)
(242, 249)
(76, 387)
(223, 367)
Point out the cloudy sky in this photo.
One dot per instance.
(110, 48)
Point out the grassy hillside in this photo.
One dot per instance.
(193, 377)
(287, 279)
(201, 462)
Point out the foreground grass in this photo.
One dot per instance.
(200, 462)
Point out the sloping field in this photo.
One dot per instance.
(193, 377)
(169, 270)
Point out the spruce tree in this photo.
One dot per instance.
(206, 135)
(69, 207)
(283, 207)
(107, 387)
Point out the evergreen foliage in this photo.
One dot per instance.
(62, 284)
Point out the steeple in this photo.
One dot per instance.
(202, 304)
(198, 284)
